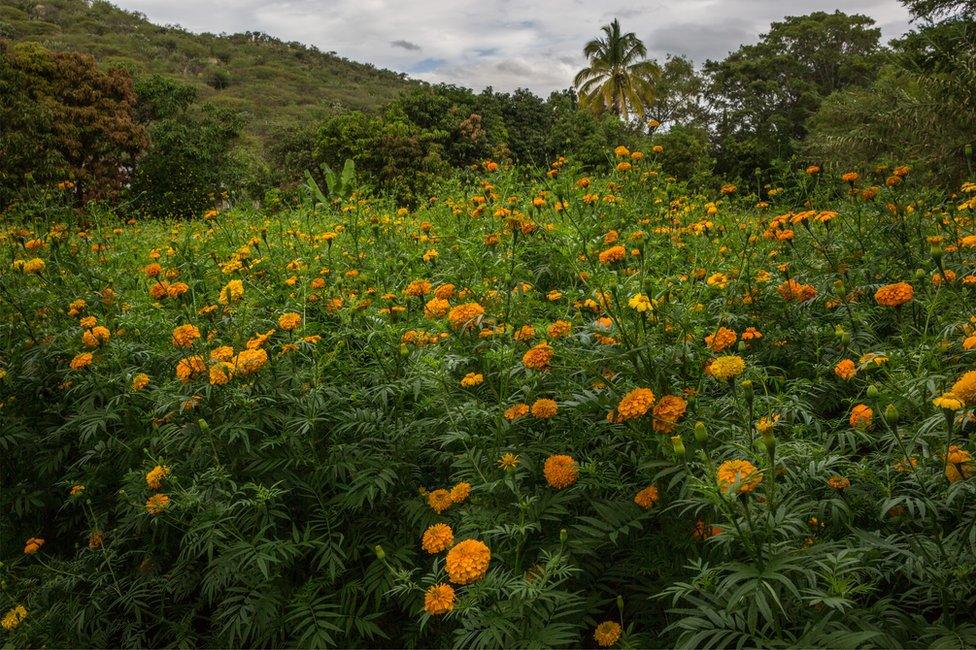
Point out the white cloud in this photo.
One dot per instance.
(506, 43)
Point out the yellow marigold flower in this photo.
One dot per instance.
(466, 316)
(35, 265)
(613, 254)
(538, 357)
(647, 497)
(232, 292)
(621, 151)
(948, 402)
(723, 338)
(185, 335)
(508, 461)
(140, 381)
(839, 483)
(607, 633)
(14, 617)
(544, 408)
(439, 500)
(439, 598)
(667, 412)
(894, 295)
(861, 416)
(516, 411)
(767, 424)
(739, 474)
(460, 492)
(635, 404)
(289, 321)
(726, 367)
(156, 504)
(156, 476)
(467, 561)
(82, 360)
(640, 303)
(718, 280)
(845, 369)
(965, 388)
(33, 545)
(250, 361)
(472, 379)
(437, 538)
(560, 471)
(189, 367)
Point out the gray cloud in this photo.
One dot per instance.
(407, 45)
(503, 44)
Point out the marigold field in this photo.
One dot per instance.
(564, 412)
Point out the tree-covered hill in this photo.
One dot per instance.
(273, 82)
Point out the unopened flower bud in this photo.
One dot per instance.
(203, 425)
(678, 444)
(563, 535)
(936, 252)
(747, 390)
(891, 414)
(380, 553)
(873, 391)
(839, 289)
(701, 434)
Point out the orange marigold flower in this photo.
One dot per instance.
(959, 466)
(647, 497)
(516, 411)
(738, 474)
(613, 254)
(560, 471)
(538, 357)
(544, 408)
(156, 476)
(559, 329)
(436, 308)
(140, 381)
(607, 633)
(894, 295)
(460, 492)
(861, 416)
(845, 369)
(221, 373)
(965, 388)
(82, 360)
(439, 500)
(289, 321)
(185, 335)
(189, 367)
(472, 379)
(439, 598)
(667, 412)
(466, 316)
(793, 291)
(33, 545)
(839, 483)
(635, 404)
(751, 333)
(467, 561)
(721, 339)
(437, 538)
(250, 361)
(156, 504)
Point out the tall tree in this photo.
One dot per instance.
(619, 77)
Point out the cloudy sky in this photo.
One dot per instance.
(501, 43)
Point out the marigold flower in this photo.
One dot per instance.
(95, 540)
(726, 367)
(466, 316)
(140, 381)
(845, 369)
(647, 497)
(156, 476)
(460, 492)
(221, 373)
(81, 361)
(76, 489)
(544, 408)
(538, 357)
(467, 561)
(289, 321)
(739, 474)
(560, 471)
(948, 402)
(437, 538)
(635, 404)
(250, 361)
(472, 379)
(607, 633)
(839, 483)
(439, 500)
(35, 265)
(959, 466)
(723, 338)
(559, 329)
(508, 461)
(189, 367)
(14, 617)
(439, 598)
(667, 412)
(965, 388)
(157, 504)
(791, 290)
(33, 545)
(185, 335)
(232, 292)
(861, 416)
(894, 295)
(516, 411)
(436, 308)
(613, 254)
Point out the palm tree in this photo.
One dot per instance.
(619, 78)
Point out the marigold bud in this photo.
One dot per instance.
(380, 553)
(891, 414)
(701, 434)
(678, 444)
(873, 391)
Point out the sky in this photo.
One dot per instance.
(505, 44)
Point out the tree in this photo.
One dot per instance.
(679, 96)
(66, 120)
(620, 78)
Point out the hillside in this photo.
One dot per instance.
(274, 82)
